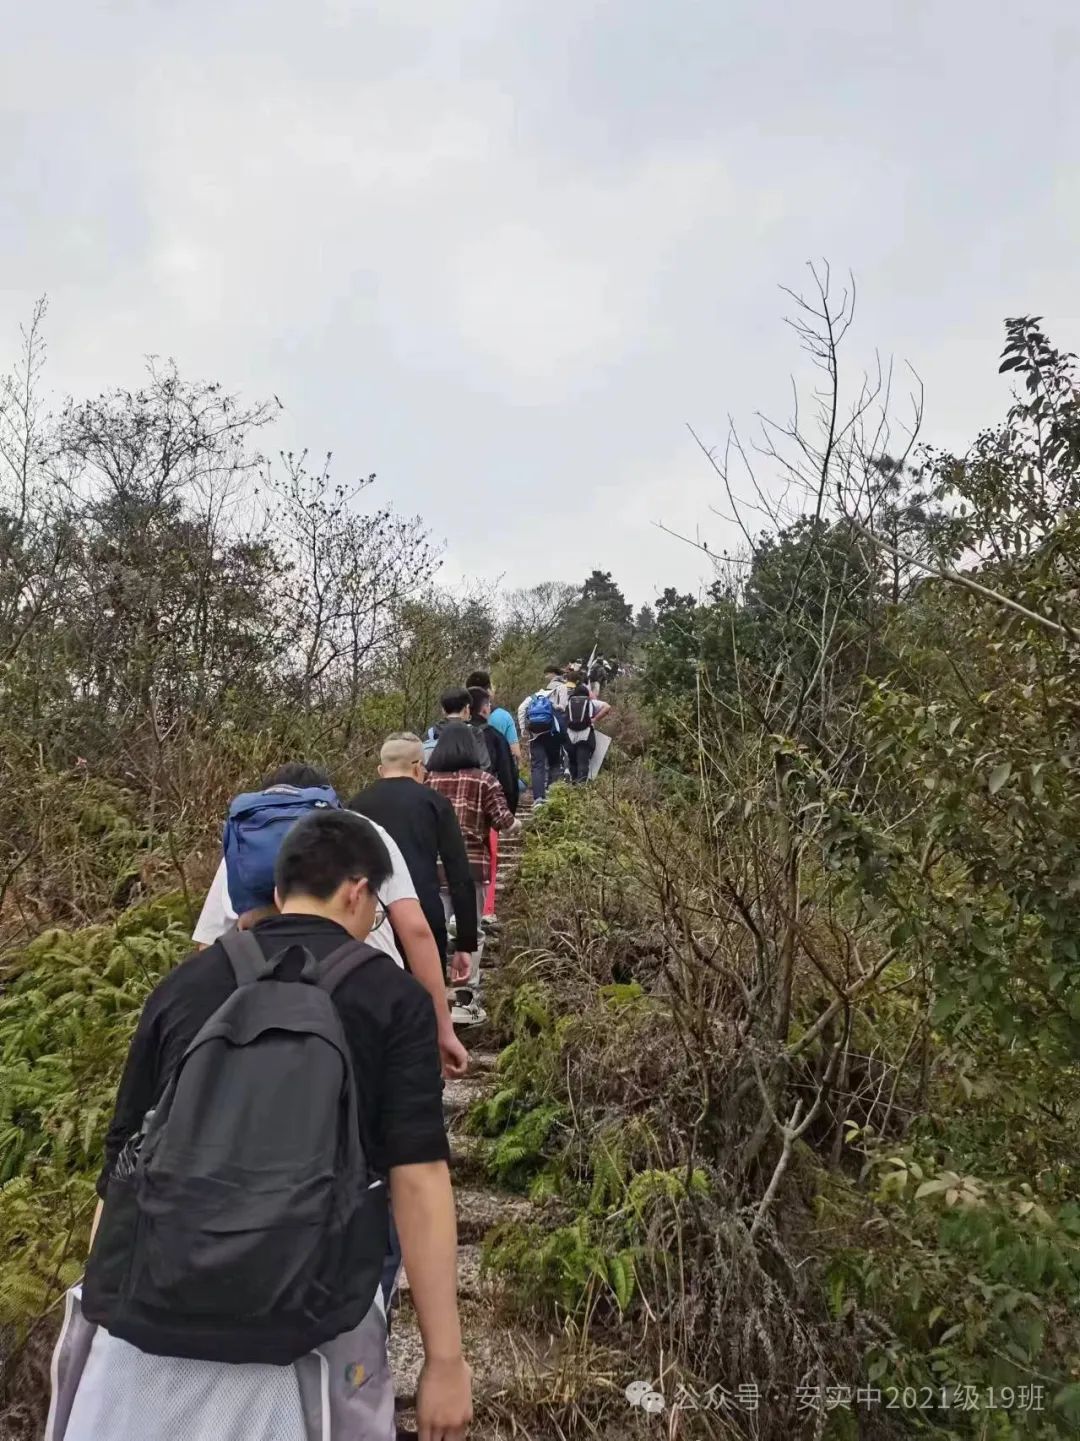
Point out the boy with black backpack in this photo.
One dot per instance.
(279, 1082)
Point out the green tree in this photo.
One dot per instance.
(600, 617)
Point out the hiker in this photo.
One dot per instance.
(504, 769)
(499, 756)
(582, 713)
(480, 805)
(456, 709)
(276, 1082)
(502, 721)
(541, 716)
(402, 921)
(256, 826)
(425, 826)
(500, 718)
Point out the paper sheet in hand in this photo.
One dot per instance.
(602, 744)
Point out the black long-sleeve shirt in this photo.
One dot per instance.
(503, 765)
(426, 829)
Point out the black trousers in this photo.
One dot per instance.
(581, 753)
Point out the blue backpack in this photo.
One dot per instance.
(256, 826)
(540, 715)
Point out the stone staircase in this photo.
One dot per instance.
(505, 1359)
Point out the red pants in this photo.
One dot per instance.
(493, 852)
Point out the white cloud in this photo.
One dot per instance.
(501, 254)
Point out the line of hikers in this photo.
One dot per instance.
(560, 720)
(278, 1146)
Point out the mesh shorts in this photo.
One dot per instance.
(107, 1390)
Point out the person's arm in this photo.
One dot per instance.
(136, 1094)
(600, 710)
(423, 1207)
(412, 930)
(459, 879)
(417, 1152)
(512, 734)
(410, 925)
(504, 770)
(498, 813)
(522, 714)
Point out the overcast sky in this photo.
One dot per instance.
(501, 252)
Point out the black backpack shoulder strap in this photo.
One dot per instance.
(340, 964)
(245, 956)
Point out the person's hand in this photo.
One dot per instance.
(460, 966)
(516, 827)
(455, 1058)
(444, 1400)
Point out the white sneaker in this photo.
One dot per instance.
(467, 1010)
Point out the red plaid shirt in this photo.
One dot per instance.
(481, 807)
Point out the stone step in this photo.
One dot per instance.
(501, 1359)
(479, 1207)
(459, 1095)
(482, 1062)
(480, 1035)
(492, 1423)
(467, 1154)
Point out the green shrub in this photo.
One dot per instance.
(66, 1020)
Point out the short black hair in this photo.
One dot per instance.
(582, 689)
(327, 847)
(481, 678)
(478, 699)
(552, 669)
(295, 773)
(455, 701)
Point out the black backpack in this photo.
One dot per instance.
(481, 750)
(243, 1224)
(579, 713)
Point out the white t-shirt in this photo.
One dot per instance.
(218, 915)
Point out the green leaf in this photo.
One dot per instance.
(999, 775)
(621, 1278)
(1067, 1401)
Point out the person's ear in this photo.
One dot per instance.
(358, 892)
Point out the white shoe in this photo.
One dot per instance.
(467, 1010)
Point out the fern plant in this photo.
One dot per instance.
(65, 1025)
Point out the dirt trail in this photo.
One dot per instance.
(507, 1361)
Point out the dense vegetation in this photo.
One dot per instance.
(793, 1028)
